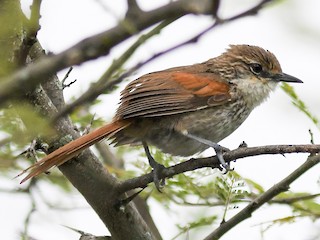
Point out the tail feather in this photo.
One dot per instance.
(72, 149)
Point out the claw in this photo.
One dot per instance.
(158, 181)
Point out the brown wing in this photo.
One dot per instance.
(171, 92)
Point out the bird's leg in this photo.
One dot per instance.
(157, 168)
(218, 149)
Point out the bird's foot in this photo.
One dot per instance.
(224, 166)
(159, 181)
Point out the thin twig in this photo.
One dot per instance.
(25, 235)
(63, 81)
(35, 17)
(32, 27)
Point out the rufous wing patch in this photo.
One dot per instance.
(204, 86)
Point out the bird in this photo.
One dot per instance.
(183, 110)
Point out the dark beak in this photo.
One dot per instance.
(283, 77)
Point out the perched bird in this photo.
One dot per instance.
(184, 110)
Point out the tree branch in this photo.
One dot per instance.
(96, 46)
(52, 85)
(281, 186)
(213, 162)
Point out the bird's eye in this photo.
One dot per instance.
(256, 68)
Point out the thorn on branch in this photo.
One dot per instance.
(134, 10)
(243, 144)
(132, 4)
(88, 236)
(123, 202)
(215, 8)
(199, 6)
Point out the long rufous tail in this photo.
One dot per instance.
(72, 149)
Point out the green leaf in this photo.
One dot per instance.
(200, 222)
(254, 186)
(297, 102)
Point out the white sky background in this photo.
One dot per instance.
(291, 30)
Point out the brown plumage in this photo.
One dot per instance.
(180, 110)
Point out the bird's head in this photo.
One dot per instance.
(255, 71)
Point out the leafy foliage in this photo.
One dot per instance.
(23, 124)
(19, 124)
